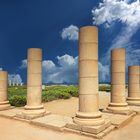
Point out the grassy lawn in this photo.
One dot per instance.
(17, 94)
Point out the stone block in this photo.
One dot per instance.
(96, 129)
(55, 122)
(119, 120)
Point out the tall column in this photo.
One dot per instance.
(34, 83)
(4, 103)
(88, 113)
(133, 85)
(118, 99)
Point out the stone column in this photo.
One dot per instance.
(34, 105)
(88, 113)
(118, 100)
(4, 103)
(133, 85)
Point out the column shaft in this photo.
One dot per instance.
(133, 85)
(4, 103)
(34, 83)
(118, 99)
(88, 113)
(34, 79)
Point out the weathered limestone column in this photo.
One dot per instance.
(34, 105)
(88, 113)
(118, 100)
(133, 85)
(4, 103)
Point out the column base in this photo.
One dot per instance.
(4, 105)
(32, 112)
(89, 119)
(119, 108)
(96, 131)
(133, 101)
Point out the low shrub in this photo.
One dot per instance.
(17, 90)
(17, 94)
(72, 90)
(17, 101)
(106, 88)
(54, 95)
(47, 98)
(63, 95)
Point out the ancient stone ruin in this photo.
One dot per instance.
(88, 119)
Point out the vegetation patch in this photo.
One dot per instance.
(106, 88)
(17, 94)
(17, 100)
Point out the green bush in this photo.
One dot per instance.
(63, 95)
(106, 88)
(72, 90)
(17, 94)
(17, 90)
(54, 95)
(17, 101)
(47, 98)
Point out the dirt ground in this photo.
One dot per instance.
(70, 106)
(17, 130)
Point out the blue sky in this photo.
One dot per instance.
(53, 26)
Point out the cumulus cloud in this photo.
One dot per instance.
(126, 12)
(70, 33)
(64, 71)
(14, 79)
(67, 70)
(121, 10)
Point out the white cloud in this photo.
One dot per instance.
(64, 71)
(70, 33)
(48, 66)
(23, 64)
(132, 56)
(126, 12)
(66, 60)
(121, 10)
(103, 72)
(14, 79)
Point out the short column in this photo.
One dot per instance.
(88, 113)
(4, 103)
(34, 105)
(133, 85)
(118, 98)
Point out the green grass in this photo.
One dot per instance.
(106, 88)
(17, 94)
